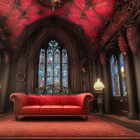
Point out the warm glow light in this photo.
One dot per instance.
(98, 85)
(122, 69)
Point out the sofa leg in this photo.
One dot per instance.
(86, 118)
(16, 117)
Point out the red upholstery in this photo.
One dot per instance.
(69, 100)
(33, 100)
(30, 110)
(50, 100)
(20, 100)
(51, 104)
(72, 110)
(51, 110)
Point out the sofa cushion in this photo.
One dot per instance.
(33, 100)
(30, 110)
(72, 110)
(69, 100)
(50, 100)
(51, 110)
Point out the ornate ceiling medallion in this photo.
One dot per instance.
(52, 3)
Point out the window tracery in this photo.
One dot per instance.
(55, 63)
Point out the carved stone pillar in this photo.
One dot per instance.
(31, 76)
(95, 77)
(106, 92)
(5, 80)
(137, 77)
(132, 107)
(133, 38)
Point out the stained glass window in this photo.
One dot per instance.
(64, 68)
(55, 63)
(41, 67)
(115, 77)
(123, 75)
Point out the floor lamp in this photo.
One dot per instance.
(99, 90)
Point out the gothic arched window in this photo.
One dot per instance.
(53, 65)
(115, 77)
(118, 76)
(123, 75)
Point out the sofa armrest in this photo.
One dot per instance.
(20, 100)
(83, 101)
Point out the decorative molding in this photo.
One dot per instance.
(132, 37)
(44, 29)
(122, 43)
(120, 20)
(20, 77)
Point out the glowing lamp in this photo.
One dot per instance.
(98, 86)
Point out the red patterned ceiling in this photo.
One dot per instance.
(90, 17)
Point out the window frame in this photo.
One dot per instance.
(120, 76)
(45, 47)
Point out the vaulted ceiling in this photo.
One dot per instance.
(90, 15)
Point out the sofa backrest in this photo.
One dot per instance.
(52, 99)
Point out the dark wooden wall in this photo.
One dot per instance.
(23, 73)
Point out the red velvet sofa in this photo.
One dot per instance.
(35, 105)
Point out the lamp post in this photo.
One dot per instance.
(99, 88)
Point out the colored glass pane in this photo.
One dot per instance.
(49, 69)
(115, 77)
(57, 58)
(56, 69)
(64, 69)
(49, 80)
(57, 80)
(50, 59)
(123, 75)
(64, 56)
(52, 66)
(65, 81)
(41, 81)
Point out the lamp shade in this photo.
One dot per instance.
(98, 85)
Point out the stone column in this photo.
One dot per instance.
(130, 84)
(137, 77)
(5, 81)
(94, 77)
(106, 92)
(133, 38)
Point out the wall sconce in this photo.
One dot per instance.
(99, 87)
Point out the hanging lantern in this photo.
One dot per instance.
(102, 58)
(122, 44)
(132, 37)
